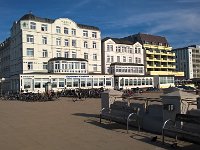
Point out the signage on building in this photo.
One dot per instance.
(77, 76)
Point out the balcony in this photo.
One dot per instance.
(157, 59)
(164, 60)
(166, 73)
(164, 53)
(171, 67)
(149, 51)
(157, 52)
(170, 54)
(171, 60)
(164, 66)
(149, 59)
(150, 66)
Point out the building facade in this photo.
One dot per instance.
(121, 51)
(158, 56)
(34, 41)
(4, 64)
(188, 61)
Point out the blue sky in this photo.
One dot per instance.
(177, 20)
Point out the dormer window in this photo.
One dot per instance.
(44, 27)
(73, 31)
(57, 29)
(33, 25)
(85, 33)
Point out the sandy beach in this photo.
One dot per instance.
(64, 124)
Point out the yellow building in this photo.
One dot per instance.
(158, 56)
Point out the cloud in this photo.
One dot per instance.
(156, 22)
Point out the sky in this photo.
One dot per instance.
(177, 20)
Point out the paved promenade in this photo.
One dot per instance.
(63, 124)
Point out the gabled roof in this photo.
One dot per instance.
(144, 38)
(119, 41)
(46, 20)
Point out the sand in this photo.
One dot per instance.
(64, 124)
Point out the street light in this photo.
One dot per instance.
(1, 81)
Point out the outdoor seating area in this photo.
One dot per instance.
(179, 128)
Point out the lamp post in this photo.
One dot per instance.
(2, 80)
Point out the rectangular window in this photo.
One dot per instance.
(95, 81)
(73, 31)
(27, 83)
(139, 50)
(136, 50)
(44, 81)
(85, 44)
(130, 59)
(94, 67)
(57, 65)
(76, 82)
(73, 54)
(30, 65)
(85, 55)
(94, 45)
(58, 29)
(30, 38)
(37, 83)
(74, 43)
(112, 58)
(69, 82)
(76, 65)
(66, 54)
(108, 81)
(58, 41)
(101, 81)
(58, 53)
(83, 82)
(54, 83)
(44, 65)
(94, 56)
(30, 52)
(44, 53)
(44, 40)
(109, 48)
(94, 34)
(118, 58)
(139, 60)
(33, 25)
(82, 65)
(66, 30)
(124, 58)
(66, 42)
(61, 82)
(108, 58)
(44, 27)
(85, 33)
(89, 82)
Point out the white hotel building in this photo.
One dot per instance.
(74, 48)
(125, 60)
